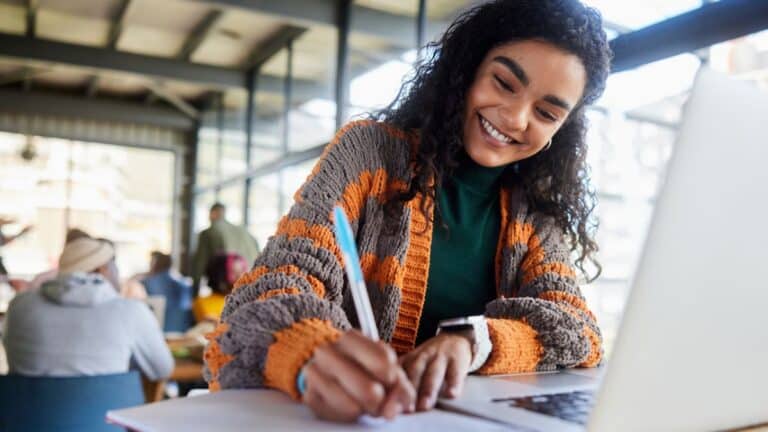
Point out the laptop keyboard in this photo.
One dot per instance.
(572, 406)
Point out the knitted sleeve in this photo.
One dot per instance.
(546, 324)
(290, 302)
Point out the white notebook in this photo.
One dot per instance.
(249, 410)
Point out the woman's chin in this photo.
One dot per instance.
(486, 158)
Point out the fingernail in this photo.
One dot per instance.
(453, 391)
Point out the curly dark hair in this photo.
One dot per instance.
(555, 182)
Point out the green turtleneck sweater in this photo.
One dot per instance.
(461, 271)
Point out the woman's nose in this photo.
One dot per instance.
(514, 117)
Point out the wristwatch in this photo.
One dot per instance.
(477, 329)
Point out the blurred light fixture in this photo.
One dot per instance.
(29, 151)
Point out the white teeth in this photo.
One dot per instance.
(492, 131)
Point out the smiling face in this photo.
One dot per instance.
(522, 94)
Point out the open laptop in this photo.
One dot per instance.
(692, 350)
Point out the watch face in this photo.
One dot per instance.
(456, 327)
(470, 320)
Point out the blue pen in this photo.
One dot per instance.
(354, 274)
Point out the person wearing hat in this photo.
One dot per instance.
(77, 324)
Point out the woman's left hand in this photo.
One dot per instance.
(438, 365)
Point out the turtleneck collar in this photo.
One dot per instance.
(475, 177)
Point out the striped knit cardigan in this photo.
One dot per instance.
(296, 297)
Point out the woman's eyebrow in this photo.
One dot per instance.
(519, 72)
(514, 68)
(554, 100)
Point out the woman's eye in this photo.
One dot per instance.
(547, 115)
(503, 83)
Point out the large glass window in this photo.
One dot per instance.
(312, 115)
(233, 135)
(232, 197)
(269, 104)
(208, 169)
(633, 15)
(264, 210)
(103, 189)
(379, 64)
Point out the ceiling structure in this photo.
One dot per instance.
(174, 55)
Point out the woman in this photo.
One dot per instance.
(468, 195)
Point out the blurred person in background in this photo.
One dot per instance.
(222, 271)
(130, 288)
(220, 238)
(41, 278)
(77, 324)
(162, 281)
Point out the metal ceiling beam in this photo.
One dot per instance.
(32, 6)
(92, 87)
(22, 74)
(618, 28)
(303, 90)
(150, 98)
(273, 45)
(398, 29)
(27, 81)
(702, 27)
(65, 105)
(290, 159)
(118, 23)
(105, 59)
(198, 35)
(175, 101)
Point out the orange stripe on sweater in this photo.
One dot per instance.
(519, 232)
(376, 185)
(498, 262)
(215, 358)
(534, 256)
(382, 272)
(251, 277)
(275, 292)
(516, 347)
(292, 348)
(321, 236)
(414, 286)
(559, 268)
(573, 300)
(595, 349)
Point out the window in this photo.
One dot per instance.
(102, 189)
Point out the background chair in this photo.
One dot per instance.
(65, 404)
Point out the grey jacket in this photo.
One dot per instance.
(77, 324)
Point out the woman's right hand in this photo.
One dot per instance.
(355, 376)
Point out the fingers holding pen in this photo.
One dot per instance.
(376, 357)
(362, 375)
(367, 392)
